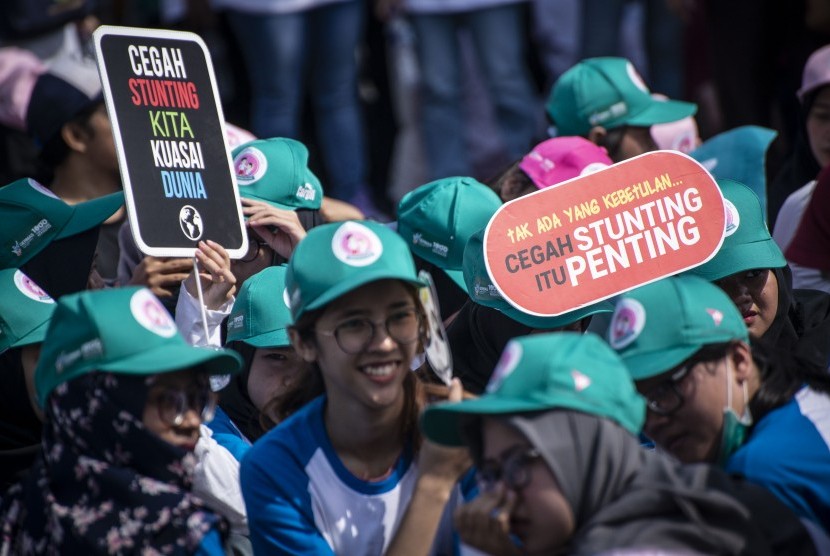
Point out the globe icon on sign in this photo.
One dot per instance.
(191, 222)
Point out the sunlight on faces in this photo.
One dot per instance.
(541, 518)
(374, 376)
(175, 406)
(271, 370)
(755, 294)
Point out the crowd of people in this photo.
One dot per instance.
(354, 384)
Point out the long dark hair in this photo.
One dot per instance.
(310, 385)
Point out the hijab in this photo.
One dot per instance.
(810, 245)
(234, 399)
(20, 428)
(624, 496)
(104, 484)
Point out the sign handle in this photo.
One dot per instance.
(201, 298)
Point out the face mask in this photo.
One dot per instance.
(735, 429)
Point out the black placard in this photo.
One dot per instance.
(167, 121)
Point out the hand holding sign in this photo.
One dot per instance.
(279, 228)
(596, 236)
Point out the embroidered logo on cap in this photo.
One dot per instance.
(627, 323)
(306, 191)
(356, 245)
(508, 362)
(31, 290)
(190, 221)
(151, 314)
(717, 316)
(581, 381)
(285, 298)
(733, 218)
(236, 322)
(249, 165)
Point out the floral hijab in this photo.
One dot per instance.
(104, 483)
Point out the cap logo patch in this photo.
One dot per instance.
(485, 291)
(37, 230)
(236, 322)
(545, 163)
(581, 381)
(249, 166)
(306, 191)
(151, 314)
(285, 298)
(717, 316)
(356, 245)
(508, 362)
(31, 290)
(627, 323)
(733, 218)
(614, 111)
(635, 78)
(190, 221)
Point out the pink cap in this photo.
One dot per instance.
(816, 72)
(562, 158)
(19, 70)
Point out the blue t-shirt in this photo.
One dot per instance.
(227, 435)
(211, 545)
(301, 499)
(788, 452)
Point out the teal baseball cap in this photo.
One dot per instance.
(483, 291)
(33, 217)
(739, 154)
(543, 372)
(119, 330)
(260, 315)
(658, 326)
(747, 243)
(608, 92)
(438, 218)
(25, 310)
(336, 258)
(276, 171)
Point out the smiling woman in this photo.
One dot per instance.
(346, 472)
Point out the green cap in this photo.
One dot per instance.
(33, 217)
(25, 310)
(541, 372)
(260, 315)
(747, 243)
(438, 218)
(119, 330)
(336, 258)
(658, 326)
(608, 92)
(276, 171)
(483, 291)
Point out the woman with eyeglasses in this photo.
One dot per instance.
(561, 470)
(123, 397)
(711, 398)
(347, 472)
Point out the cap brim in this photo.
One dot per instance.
(34, 336)
(274, 338)
(547, 323)
(740, 258)
(173, 358)
(648, 365)
(91, 213)
(662, 112)
(355, 281)
(441, 422)
(272, 203)
(456, 276)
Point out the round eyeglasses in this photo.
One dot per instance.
(254, 246)
(173, 404)
(354, 335)
(666, 398)
(513, 468)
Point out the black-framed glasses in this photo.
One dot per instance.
(173, 404)
(254, 245)
(666, 398)
(513, 468)
(355, 334)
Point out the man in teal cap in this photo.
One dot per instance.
(561, 469)
(606, 101)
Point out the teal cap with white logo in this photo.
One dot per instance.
(260, 316)
(543, 372)
(25, 310)
(276, 171)
(119, 330)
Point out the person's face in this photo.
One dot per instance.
(271, 370)
(818, 127)
(101, 144)
(372, 377)
(175, 404)
(755, 294)
(541, 518)
(692, 431)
